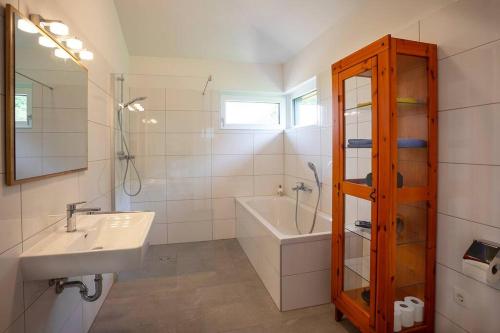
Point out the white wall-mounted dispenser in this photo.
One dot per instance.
(482, 262)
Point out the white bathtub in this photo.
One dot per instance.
(294, 268)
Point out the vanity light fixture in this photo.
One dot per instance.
(60, 53)
(46, 41)
(85, 55)
(60, 31)
(74, 43)
(57, 28)
(27, 26)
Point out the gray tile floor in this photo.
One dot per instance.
(203, 287)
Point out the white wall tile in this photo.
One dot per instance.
(470, 192)
(444, 325)
(236, 186)
(267, 184)
(155, 97)
(98, 104)
(188, 122)
(158, 234)
(188, 166)
(224, 229)
(186, 99)
(44, 202)
(188, 188)
(188, 144)
(99, 142)
(268, 143)
(153, 166)
(11, 302)
(158, 207)
(476, 141)
(147, 122)
(232, 165)
(152, 190)
(189, 232)
(470, 78)
(461, 26)
(233, 144)
(268, 164)
(95, 181)
(10, 215)
(480, 313)
(188, 210)
(50, 312)
(223, 208)
(147, 143)
(309, 140)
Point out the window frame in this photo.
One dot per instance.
(253, 98)
(28, 92)
(302, 89)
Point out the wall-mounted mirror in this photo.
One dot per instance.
(46, 104)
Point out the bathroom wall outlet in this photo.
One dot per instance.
(460, 297)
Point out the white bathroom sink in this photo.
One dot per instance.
(104, 243)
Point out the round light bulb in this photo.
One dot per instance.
(46, 41)
(86, 55)
(26, 26)
(60, 53)
(58, 28)
(74, 44)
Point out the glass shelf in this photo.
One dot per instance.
(362, 232)
(360, 266)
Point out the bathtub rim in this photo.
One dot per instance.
(283, 238)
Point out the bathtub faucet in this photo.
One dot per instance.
(300, 186)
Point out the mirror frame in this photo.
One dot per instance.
(10, 131)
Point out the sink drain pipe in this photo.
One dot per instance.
(61, 284)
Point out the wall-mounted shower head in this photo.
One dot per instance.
(137, 99)
(313, 168)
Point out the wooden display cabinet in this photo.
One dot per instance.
(385, 173)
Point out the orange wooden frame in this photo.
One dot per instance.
(381, 58)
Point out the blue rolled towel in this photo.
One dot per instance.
(411, 143)
(359, 143)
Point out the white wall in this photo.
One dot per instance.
(467, 33)
(192, 170)
(29, 211)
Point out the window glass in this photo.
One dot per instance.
(305, 109)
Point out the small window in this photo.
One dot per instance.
(22, 107)
(252, 112)
(305, 109)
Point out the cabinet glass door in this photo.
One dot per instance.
(359, 182)
(412, 213)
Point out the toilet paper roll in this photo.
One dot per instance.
(419, 308)
(397, 320)
(493, 275)
(407, 313)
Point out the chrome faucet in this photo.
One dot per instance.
(300, 186)
(71, 211)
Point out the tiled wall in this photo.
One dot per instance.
(468, 36)
(31, 210)
(312, 144)
(191, 170)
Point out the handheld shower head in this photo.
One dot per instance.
(313, 168)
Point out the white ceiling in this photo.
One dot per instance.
(257, 31)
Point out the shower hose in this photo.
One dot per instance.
(297, 211)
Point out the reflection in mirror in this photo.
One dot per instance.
(49, 106)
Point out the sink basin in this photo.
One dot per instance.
(104, 243)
